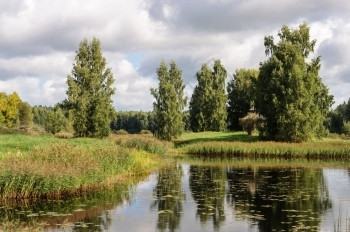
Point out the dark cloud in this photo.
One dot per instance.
(6, 74)
(331, 53)
(344, 76)
(242, 15)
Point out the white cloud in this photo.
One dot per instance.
(39, 38)
(133, 90)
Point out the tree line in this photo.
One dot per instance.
(285, 98)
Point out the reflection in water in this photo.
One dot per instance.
(207, 185)
(204, 197)
(91, 212)
(279, 199)
(169, 196)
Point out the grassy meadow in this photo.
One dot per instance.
(46, 167)
(239, 144)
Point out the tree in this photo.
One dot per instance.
(347, 111)
(40, 114)
(208, 103)
(131, 121)
(25, 115)
(241, 91)
(55, 121)
(290, 92)
(338, 120)
(3, 104)
(169, 102)
(90, 90)
(9, 109)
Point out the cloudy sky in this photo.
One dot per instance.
(38, 40)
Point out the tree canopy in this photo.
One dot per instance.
(290, 92)
(169, 102)
(241, 91)
(14, 112)
(90, 90)
(339, 119)
(208, 102)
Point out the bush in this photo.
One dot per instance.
(250, 122)
(142, 142)
(346, 128)
(145, 132)
(121, 132)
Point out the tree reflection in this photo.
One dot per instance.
(91, 212)
(207, 185)
(279, 199)
(169, 196)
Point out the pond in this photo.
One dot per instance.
(210, 195)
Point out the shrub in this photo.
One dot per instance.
(145, 132)
(121, 132)
(251, 122)
(143, 142)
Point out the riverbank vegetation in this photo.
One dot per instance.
(238, 144)
(43, 167)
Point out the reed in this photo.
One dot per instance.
(142, 142)
(317, 149)
(8, 225)
(68, 168)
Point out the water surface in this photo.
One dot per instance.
(209, 196)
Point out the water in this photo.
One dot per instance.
(209, 196)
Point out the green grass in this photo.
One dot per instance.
(15, 142)
(36, 167)
(194, 138)
(238, 144)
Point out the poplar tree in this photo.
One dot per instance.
(208, 102)
(90, 90)
(169, 102)
(290, 92)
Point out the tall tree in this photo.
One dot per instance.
(90, 90)
(208, 102)
(290, 92)
(241, 91)
(170, 102)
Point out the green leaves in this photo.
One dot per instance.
(241, 91)
(55, 121)
(208, 102)
(290, 93)
(90, 90)
(170, 102)
(10, 106)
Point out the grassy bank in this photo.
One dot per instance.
(37, 167)
(238, 144)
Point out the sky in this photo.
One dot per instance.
(39, 40)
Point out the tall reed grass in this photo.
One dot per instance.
(62, 169)
(8, 225)
(143, 142)
(317, 149)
